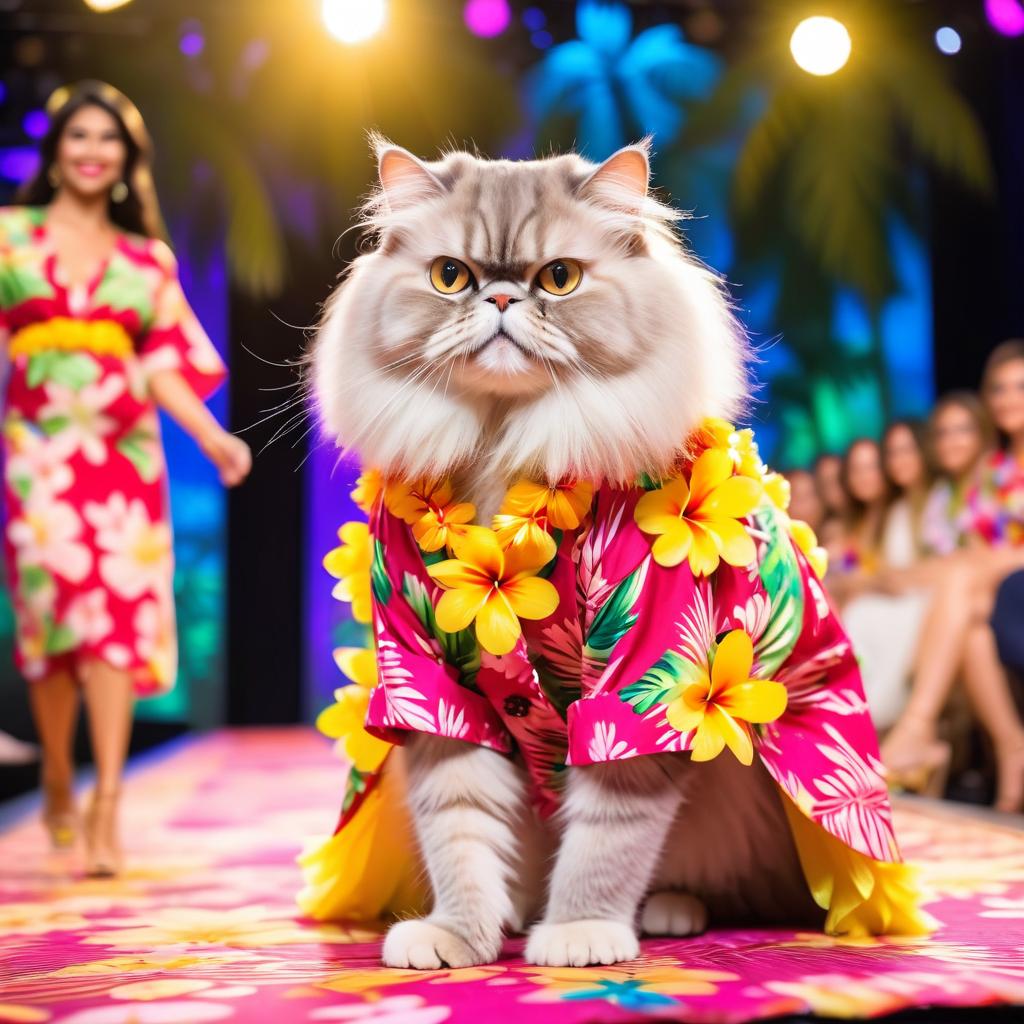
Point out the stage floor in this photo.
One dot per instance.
(203, 926)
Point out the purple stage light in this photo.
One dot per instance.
(18, 163)
(534, 19)
(542, 39)
(35, 124)
(191, 43)
(487, 18)
(1006, 16)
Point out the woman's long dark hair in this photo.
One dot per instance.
(857, 511)
(140, 211)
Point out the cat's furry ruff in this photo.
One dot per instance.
(618, 373)
(604, 383)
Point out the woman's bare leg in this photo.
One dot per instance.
(54, 702)
(989, 690)
(913, 740)
(110, 699)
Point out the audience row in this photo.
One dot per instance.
(925, 533)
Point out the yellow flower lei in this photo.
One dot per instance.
(490, 576)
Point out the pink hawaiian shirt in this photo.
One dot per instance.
(590, 683)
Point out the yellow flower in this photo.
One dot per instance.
(359, 664)
(492, 588)
(368, 489)
(344, 721)
(700, 519)
(564, 505)
(350, 565)
(527, 533)
(720, 707)
(412, 500)
(739, 445)
(435, 529)
(776, 486)
(807, 542)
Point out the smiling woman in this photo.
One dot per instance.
(100, 336)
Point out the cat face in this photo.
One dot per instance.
(531, 312)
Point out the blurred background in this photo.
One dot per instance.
(860, 182)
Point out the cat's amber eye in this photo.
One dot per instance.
(449, 275)
(560, 277)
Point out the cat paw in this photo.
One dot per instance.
(579, 943)
(673, 913)
(427, 947)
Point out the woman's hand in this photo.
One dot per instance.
(230, 454)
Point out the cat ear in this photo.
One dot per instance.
(404, 179)
(621, 181)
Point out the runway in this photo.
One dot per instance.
(203, 927)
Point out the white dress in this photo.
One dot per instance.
(884, 628)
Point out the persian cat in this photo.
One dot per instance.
(542, 319)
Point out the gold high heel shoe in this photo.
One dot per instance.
(60, 818)
(103, 851)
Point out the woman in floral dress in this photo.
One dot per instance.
(98, 336)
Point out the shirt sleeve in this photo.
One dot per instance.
(175, 339)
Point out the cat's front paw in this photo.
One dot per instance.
(673, 913)
(579, 943)
(428, 947)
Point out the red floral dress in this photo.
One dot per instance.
(87, 540)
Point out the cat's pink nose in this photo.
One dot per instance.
(501, 301)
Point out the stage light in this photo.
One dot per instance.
(1006, 16)
(948, 40)
(542, 38)
(820, 45)
(534, 19)
(191, 41)
(486, 18)
(105, 5)
(354, 21)
(35, 124)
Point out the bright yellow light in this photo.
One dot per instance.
(821, 46)
(105, 5)
(354, 21)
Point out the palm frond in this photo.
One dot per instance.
(941, 126)
(254, 244)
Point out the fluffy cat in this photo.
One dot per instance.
(505, 378)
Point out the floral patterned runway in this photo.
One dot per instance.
(203, 927)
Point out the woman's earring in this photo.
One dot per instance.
(119, 193)
(53, 175)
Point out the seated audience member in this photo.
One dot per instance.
(854, 558)
(828, 476)
(957, 637)
(960, 436)
(884, 619)
(804, 500)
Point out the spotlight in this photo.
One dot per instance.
(820, 45)
(1006, 16)
(948, 40)
(534, 19)
(35, 124)
(487, 18)
(190, 40)
(354, 21)
(105, 5)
